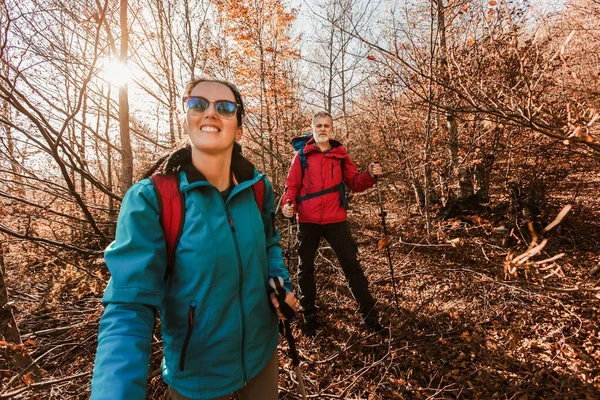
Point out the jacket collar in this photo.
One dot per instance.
(244, 174)
(336, 146)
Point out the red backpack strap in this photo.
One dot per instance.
(259, 194)
(172, 213)
(259, 189)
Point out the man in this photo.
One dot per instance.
(314, 187)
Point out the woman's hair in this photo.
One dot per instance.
(170, 162)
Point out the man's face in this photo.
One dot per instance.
(322, 129)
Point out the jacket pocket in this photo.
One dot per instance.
(188, 336)
(337, 172)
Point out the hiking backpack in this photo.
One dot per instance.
(298, 143)
(171, 205)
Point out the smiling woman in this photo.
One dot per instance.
(227, 240)
(115, 72)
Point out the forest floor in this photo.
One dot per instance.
(466, 327)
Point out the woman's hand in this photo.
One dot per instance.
(290, 300)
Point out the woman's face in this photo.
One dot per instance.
(208, 131)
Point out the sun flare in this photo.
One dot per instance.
(116, 72)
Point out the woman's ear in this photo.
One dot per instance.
(239, 133)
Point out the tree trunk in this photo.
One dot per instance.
(329, 94)
(14, 165)
(8, 325)
(82, 152)
(126, 152)
(419, 192)
(13, 357)
(452, 139)
(465, 183)
(112, 212)
(482, 177)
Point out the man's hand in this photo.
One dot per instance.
(288, 210)
(290, 299)
(375, 169)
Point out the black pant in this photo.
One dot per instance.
(339, 238)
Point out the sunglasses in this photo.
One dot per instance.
(198, 105)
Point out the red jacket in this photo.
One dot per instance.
(323, 172)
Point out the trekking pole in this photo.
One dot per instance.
(288, 252)
(387, 247)
(277, 286)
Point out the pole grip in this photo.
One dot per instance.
(289, 203)
(277, 286)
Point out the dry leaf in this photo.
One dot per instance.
(466, 336)
(27, 378)
(383, 243)
(454, 241)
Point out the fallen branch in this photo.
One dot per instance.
(51, 330)
(40, 385)
(520, 259)
(572, 289)
(558, 218)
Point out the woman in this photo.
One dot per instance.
(219, 328)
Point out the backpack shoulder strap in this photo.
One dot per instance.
(259, 194)
(299, 144)
(172, 213)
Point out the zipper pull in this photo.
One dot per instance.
(191, 316)
(230, 221)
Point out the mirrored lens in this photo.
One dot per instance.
(197, 104)
(225, 108)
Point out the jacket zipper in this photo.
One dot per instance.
(241, 295)
(188, 336)
(332, 171)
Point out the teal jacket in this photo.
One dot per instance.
(218, 326)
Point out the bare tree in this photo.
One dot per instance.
(261, 57)
(334, 58)
(126, 152)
